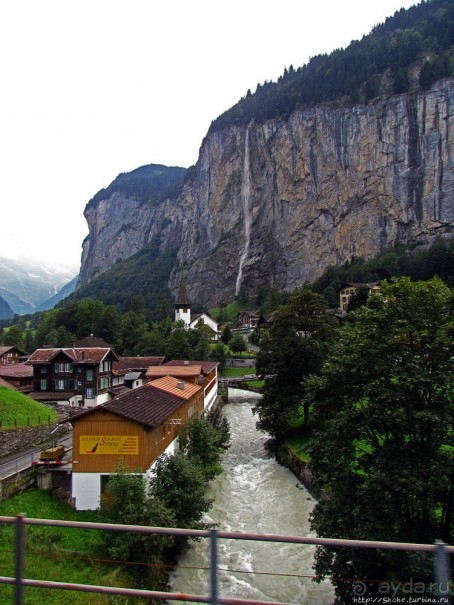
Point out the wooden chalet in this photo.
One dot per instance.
(10, 355)
(80, 377)
(133, 429)
(17, 376)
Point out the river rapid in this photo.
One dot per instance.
(255, 494)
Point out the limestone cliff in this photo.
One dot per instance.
(277, 202)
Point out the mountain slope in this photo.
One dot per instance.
(25, 283)
(273, 201)
(5, 310)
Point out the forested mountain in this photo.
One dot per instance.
(407, 53)
(26, 283)
(342, 158)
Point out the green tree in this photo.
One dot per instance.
(14, 338)
(132, 328)
(177, 344)
(181, 484)
(293, 348)
(202, 443)
(382, 453)
(226, 335)
(218, 354)
(89, 317)
(126, 502)
(237, 344)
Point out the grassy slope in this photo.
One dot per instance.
(17, 407)
(57, 554)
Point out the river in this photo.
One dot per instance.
(255, 494)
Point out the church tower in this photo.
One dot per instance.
(183, 306)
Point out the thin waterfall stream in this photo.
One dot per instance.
(255, 494)
(246, 196)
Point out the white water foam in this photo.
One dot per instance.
(246, 196)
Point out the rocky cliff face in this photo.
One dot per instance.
(277, 202)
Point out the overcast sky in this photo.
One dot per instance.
(92, 88)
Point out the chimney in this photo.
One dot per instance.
(180, 385)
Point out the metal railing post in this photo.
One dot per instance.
(441, 572)
(213, 567)
(19, 560)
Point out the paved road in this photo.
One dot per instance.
(14, 463)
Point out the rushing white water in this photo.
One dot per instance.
(246, 196)
(255, 494)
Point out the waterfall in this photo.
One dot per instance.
(246, 196)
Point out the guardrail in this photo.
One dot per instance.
(440, 550)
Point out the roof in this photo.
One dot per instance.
(5, 349)
(182, 299)
(16, 370)
(352, 284)
(76, 355)
(138, 363)
(148, 405)
(207, 366)
(133, 375)
(179, 388)
(174, 370)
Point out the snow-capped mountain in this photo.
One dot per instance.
(26, 283)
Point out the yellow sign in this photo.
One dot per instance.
(109, 444)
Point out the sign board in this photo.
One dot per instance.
(109, 444)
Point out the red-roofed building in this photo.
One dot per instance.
(134, 428)
(10, 355)
(17, 376)
(203, 373)
(80, 377)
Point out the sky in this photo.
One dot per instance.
(93, 88)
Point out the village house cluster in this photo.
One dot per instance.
(125, 409)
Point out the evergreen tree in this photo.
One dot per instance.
(382, 453)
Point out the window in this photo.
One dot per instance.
(62, 384)
(89, 375)
(190, 410)
(43, 384)
(104, 382)
(63, 367)
(105, 366)
(90, 393)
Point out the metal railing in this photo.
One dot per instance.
(440, 550)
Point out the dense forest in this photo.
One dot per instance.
(149, 184)
(407, 53)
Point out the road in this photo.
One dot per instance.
(14, 463)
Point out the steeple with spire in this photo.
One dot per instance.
(182, 305)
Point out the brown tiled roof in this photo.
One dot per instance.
(138, 363)
(146, 405)
(16, 370)
(81, 355)
(5, 349)
(174, 370)
(180, 388)
(207, 366)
